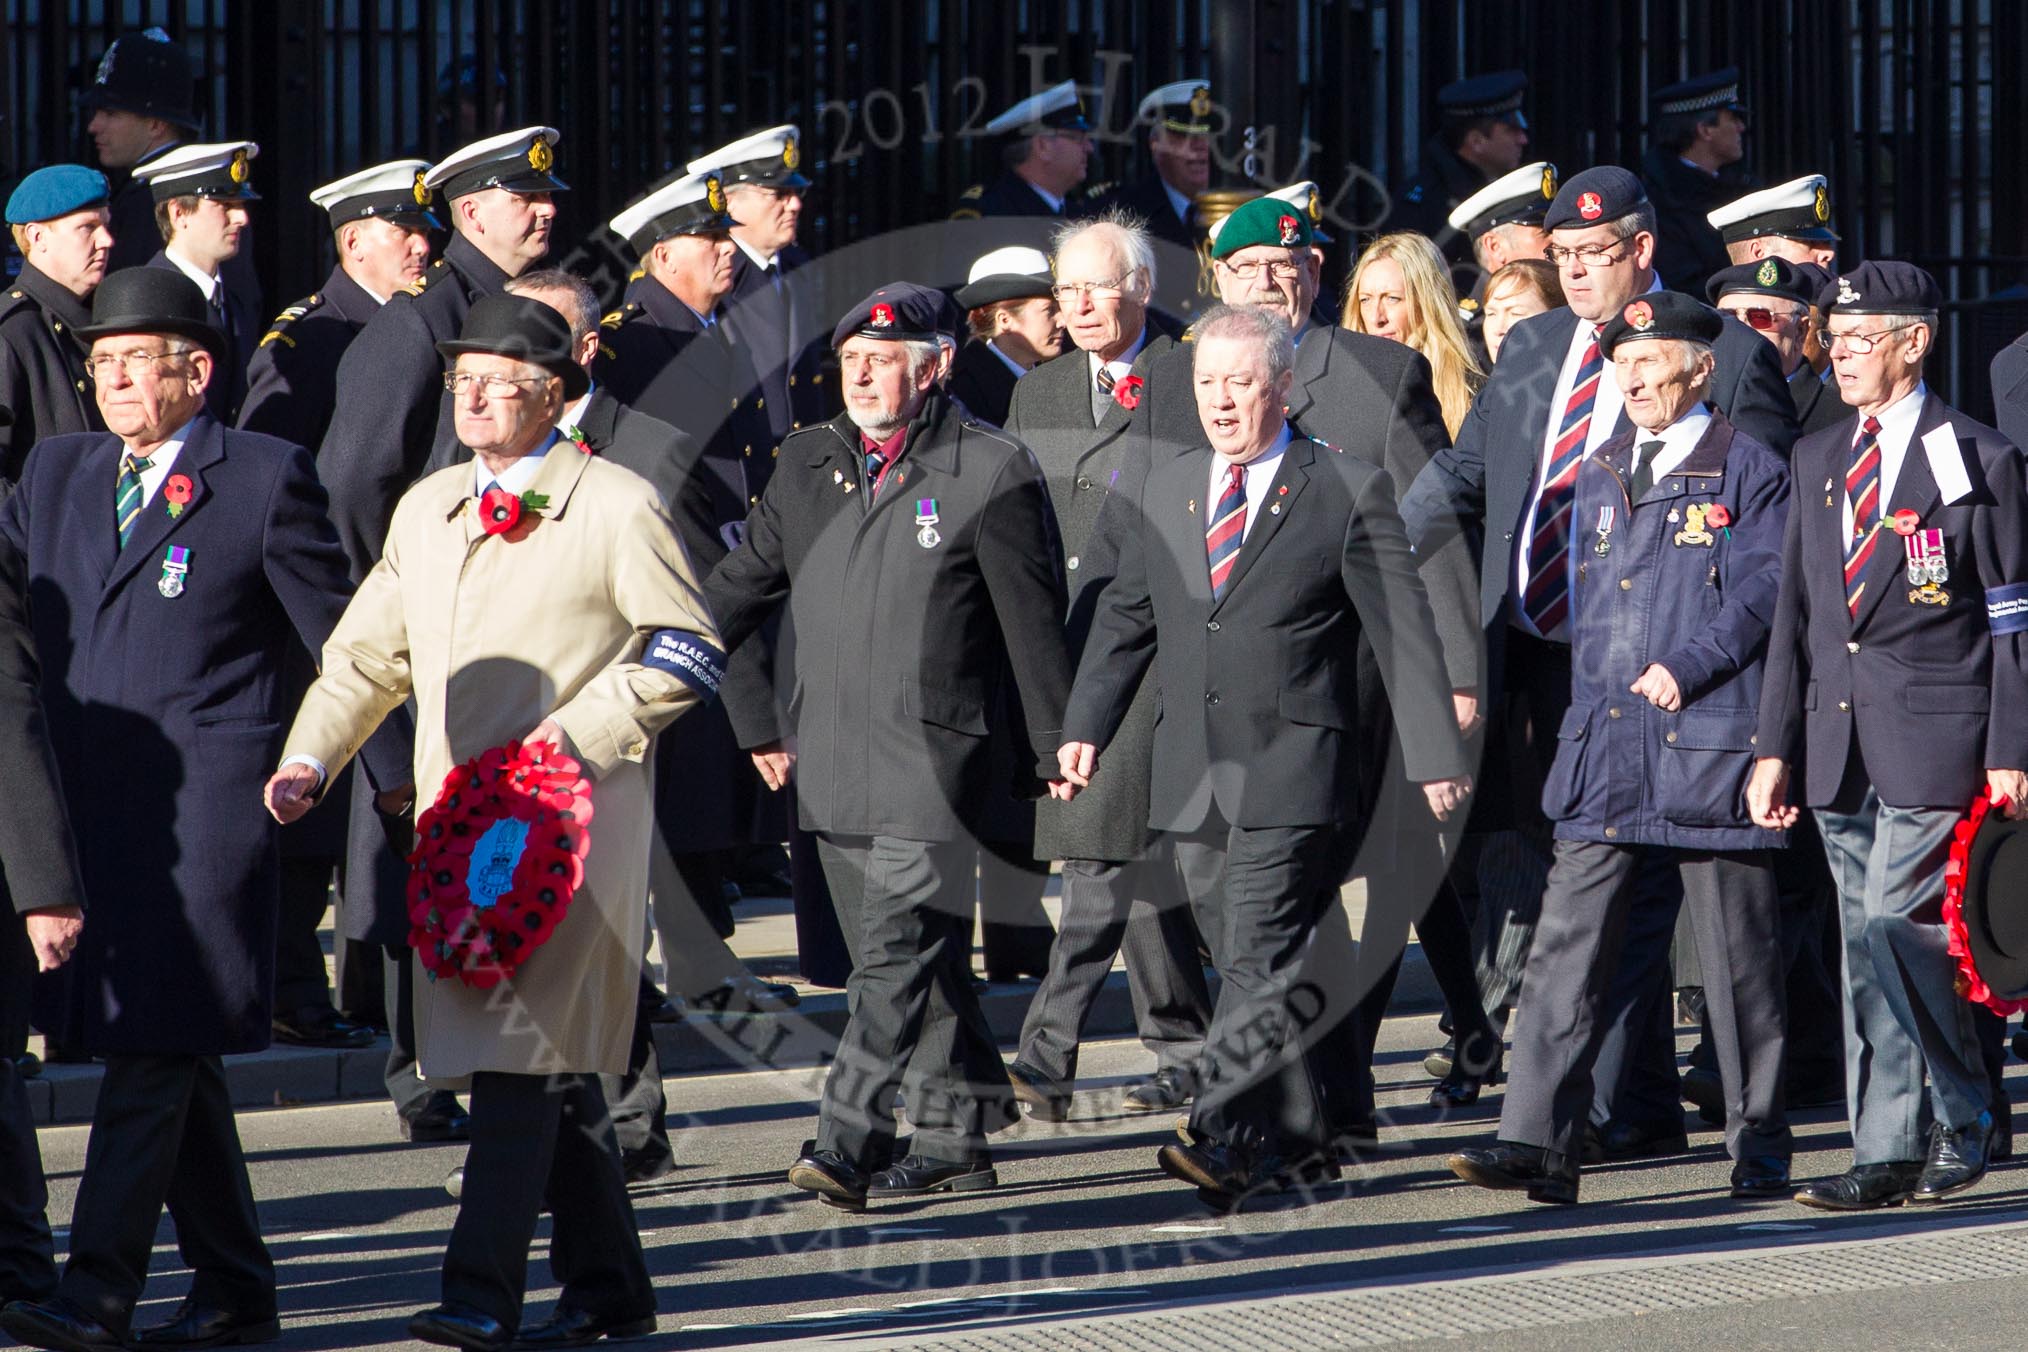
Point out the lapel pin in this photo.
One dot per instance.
(1275, 510)
(837, 476)
(1192, 504)
(1282, 491)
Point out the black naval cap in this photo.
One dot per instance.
(1661, 314)
(1766, 277)
(153, 300)
(1889, 287)
(1603, 193)
(899, 312)
(526, 330)
(1478, 97)
(1704, 94)
(146, 72)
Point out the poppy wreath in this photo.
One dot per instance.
(522, 807)
(1970, 984)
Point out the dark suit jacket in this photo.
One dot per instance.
(1487, 481)
(1688, 248)
(38, 859)
(1817, 403)
(241, 327)
(898, 630)
(292, 381)
(1009, 194)
(981, 382)
(1259, 690)
(2009, 377)
(392, 412)
(1935, 694)
(42, 374)
(167, 715)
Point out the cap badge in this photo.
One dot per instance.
(883, 316)
(1548, 182)
(1291, 228)
(1316, 206)
(237, 169)
(1769, 274)
(791, 156)
(540, 156)
(1640, 314)
(1589, 206)
(105, 70)
(1846, 295)
(1823, 204)
(714, 193)
(1200, 102)
(420, 190)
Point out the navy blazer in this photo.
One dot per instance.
(1934, 693)
(242, 328)
(166, 713)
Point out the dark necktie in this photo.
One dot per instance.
(1101, 395)
(1228, 530)
(1862, 490)
(1547, 600)
(127, 495)
(1644, 471)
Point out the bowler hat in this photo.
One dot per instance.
(153, 300)
(524, 329)
(1987, 925)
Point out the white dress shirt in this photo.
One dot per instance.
(160, 462)
(1121, 366)
(573, 416)
(205, 281)
(517, 476)
(1678, 439)
(765, 264)
(1897, 433)
(1260, 478)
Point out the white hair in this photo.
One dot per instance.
(1128, 235)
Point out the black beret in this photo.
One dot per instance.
(1603, 193)
(1662, 314)
(899, 311)
(1766, 277)
(1884, 288)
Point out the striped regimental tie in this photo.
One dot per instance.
(127, 495)
(1228, 529)
(1546, 602)
(1862, 491)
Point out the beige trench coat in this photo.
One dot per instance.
(492, 635)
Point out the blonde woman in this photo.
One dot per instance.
(1401, 290)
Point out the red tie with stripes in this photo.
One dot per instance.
(1862, 491)
(1546, 602)
(1228, 528)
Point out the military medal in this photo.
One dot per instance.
(1928, 569)
(1693, 532)
(926, 518)
(175, 564)
(1605, 530)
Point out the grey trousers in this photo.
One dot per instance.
(1578, 941)
(912, 1017)
(1136, 910)
(1903, 1015)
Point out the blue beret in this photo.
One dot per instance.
(1883, 288)
(1597, 195)
(56, 190)
(900, 312)
(1661, 314)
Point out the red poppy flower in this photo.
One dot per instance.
(1718, 514)
(177, 490)
(1127, 394)
(1906, 522)
(499, 511)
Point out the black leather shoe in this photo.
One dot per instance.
(1214, 1168)
(1164, 1091)
(1705, 1091)
(746, 993)
(1355, 1140)
(320, 1026)
(836, 1180)
(1544, 1175)
(1760, 1176)
(197, 1326)
(451, 1325)
(1475, 1064)
(1642, 1140)
(1957, 1159)
(571, 1327)
(1864, 1187)
(28, 1065)
(1044, 1097)
(440, 1117)
(919, 1175)
(55, 1323)
(646, 1165)
(661, 1008)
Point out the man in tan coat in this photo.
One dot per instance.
(582, 626)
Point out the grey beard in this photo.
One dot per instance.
(880, 431)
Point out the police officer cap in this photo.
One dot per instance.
(56, 190)
(1765, 277)
(1604, 193)
(1706, 93)
(766, 159)
(900, 312)
(146, 72)
(153, 300)
(1016, 272)
(1265, 220)
(1478, 97)
(518, 161)
(1884, 288)
(526, 330)
(221, 169)
(398, 191)
(692, 205)
(1518, 198)
(1661, 314)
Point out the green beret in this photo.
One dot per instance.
(1264, 220)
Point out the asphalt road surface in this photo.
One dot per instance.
(1085, 1245)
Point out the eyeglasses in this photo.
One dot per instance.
(1281, 270)
(1591, 255)
(135, 364)
(1760, 316)
(1065, 292)
(492, 386)
(1858, 344)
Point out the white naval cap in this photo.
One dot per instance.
(518, 161)
(1797, 209)
(1521, 196)
(767, 159)
(1184, 106)
(397, 190)
(216, 169)
(1057, 107)
(692, 205)
(1303, 196)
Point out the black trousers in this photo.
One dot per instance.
(163, 1135)
(27, 1260)
(300, 981)
(17, 985)
(405, 1088)
(636, 1100)
(545, 1142)
(1015, 934)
